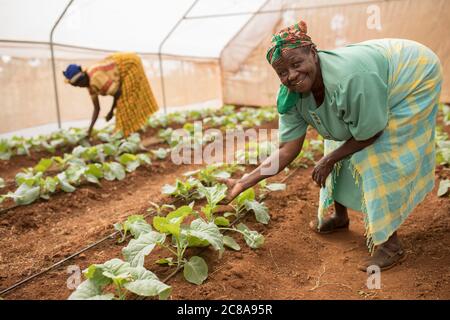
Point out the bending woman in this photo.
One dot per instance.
(122, 76)
(375, 103)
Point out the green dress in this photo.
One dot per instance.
(355, 105)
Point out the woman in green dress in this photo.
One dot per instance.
(375, 103)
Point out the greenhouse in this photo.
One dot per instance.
(224, 150)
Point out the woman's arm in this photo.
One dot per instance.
(274, 164)
(111, 112)
(326, 164)
(96, 104)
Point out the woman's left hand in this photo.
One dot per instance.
(321, 171)
(109, 116)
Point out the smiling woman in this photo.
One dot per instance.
(375, 103)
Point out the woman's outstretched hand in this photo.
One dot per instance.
(234, 189)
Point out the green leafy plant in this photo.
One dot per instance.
(211, 173)
(123, 278)
(196, 233)
(135, 224)
(444, 186)
(160, 153)
(213, 196)
(246, 202)
(186, 190)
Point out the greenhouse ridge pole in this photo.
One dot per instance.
(161, 69)
(52, 51)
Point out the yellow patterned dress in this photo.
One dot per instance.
(136, 102)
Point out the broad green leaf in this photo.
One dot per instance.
(132, 166)
(25, 177)
(65, 185)
(130, 161)
(78, 151)
(206, 232)
(195, 242)
(94, 170)
(25, 194)
(252, 238)
(50, 184)
(222, 222)
(114, 270)
(137, 225)
(177, 216)
(117, 170)
(276, 187)
(146, 283)
(168, 189)
(88, 290)
(127, 158)
(74, 173)
(43, 165)
(161, 153)
(213, 194)
(444, 186)
(260, 210)
(195, 270)
(109, 149)
(231, 243)
(247, 195)
(5, 152)
(162, 225)
(144, 158)
(171, 223)
(137, 249)
(222, 175)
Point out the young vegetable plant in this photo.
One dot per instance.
(123, 278)
(211, 173)
(197, 233)
(246, 202)
(135, 224)
(253, 238)
(160, 153)
(184, 190)
(213, 195)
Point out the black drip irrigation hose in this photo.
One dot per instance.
(5, 210)
(16, 285)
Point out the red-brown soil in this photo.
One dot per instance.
(294, 263)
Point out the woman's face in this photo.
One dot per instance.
(297, 69)
(83, 81)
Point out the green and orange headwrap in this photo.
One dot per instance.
(291, 37)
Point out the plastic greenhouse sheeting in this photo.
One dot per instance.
(132, 25)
